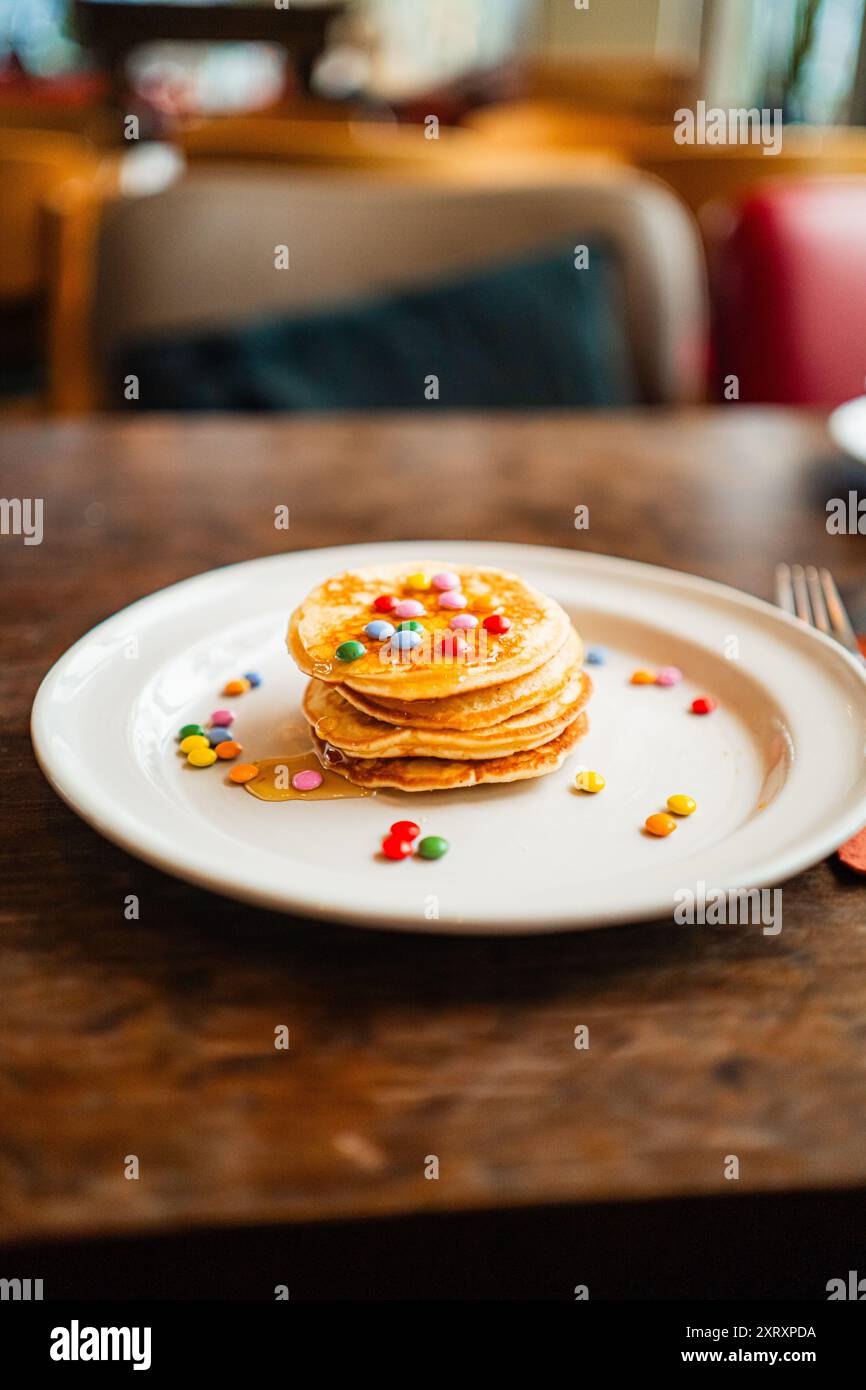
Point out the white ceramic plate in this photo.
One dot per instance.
(847, 426)
(778, 771)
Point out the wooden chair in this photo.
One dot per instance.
(54, 185)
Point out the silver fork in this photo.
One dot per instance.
(811, 595)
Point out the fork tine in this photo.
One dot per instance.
(801, 594)
(841, 623)
(784, 592)
(816, 598)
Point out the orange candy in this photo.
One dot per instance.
(244, 772)
(239, 687)
(660, 824)
(643, 678)
(229, 748)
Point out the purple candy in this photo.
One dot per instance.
(452, 599)
(409, 608)
(446, 579)
(463, 620)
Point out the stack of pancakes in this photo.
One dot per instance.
(507, 707)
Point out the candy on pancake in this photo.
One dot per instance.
(478, 709)
(445, 774)
(336, 722)
(334, 617)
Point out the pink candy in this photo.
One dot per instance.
(452, 599)
(446, 579)
(409, 608)
(307, 781)
(669, 675)
(221, 718)
(463, 620)
(452, 644)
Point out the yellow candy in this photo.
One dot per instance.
(643, 678)
(418, 581)
(682, 805)
(202, 757)
(590, 782)
(660, 824)
(193, 741)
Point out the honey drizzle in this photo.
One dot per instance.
(264, 786)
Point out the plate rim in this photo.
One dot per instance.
(810, 851)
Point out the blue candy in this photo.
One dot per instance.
(218, 735)
(253, 677)
(406, 640)
(596, 656)
(379, 630)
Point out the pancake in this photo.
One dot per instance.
(446, 774)
(340, 608)
(478, 709)
(334, 721)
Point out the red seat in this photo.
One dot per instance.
(789, 285)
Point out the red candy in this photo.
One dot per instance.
(452, 644)
(385, 603)
(496, 623)
(703, 705)
(405, 830)
(395, 848)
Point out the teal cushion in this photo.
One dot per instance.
(535, 333)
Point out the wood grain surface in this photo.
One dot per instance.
(155, 1037)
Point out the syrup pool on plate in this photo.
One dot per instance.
(275, 776)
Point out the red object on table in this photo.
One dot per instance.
(790, 292)
(853, 852)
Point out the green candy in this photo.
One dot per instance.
(409, 626)
(350, 651)
(432, 847)
(190, 729)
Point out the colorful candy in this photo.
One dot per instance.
(452, 598)
(228, 749)
(406, 829)
(451, 644)
(681, 805)
(238, 687)
(660, 824)
(201, 757)
(447, 580)
(385, 603)
(409, 608)
(253, 677)
(463, 620)
(643, 678)
(704, 704)
(379, 630)
(307, 780)
(221, 718)
(432, 847)
(193, 741)
(418, 581)
(410, 625)
(395, 848)
(244, 772)
(669, 675)
(596, 656)
(497, 623)
(350, 651)
(189, 730)
(405, 640)
(218, 735)
(587, 781)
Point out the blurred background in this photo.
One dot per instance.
(380, 204)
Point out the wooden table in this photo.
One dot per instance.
(155, 1038)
